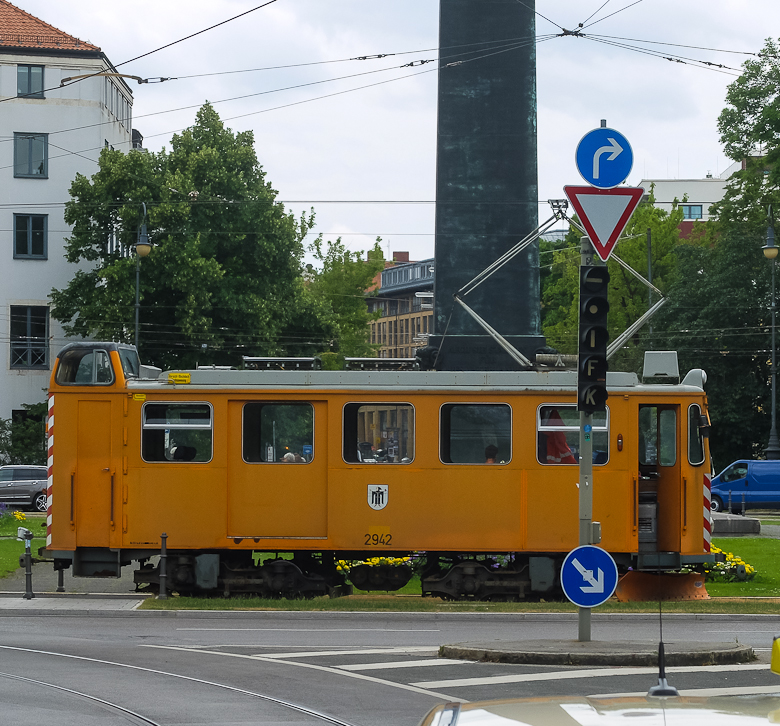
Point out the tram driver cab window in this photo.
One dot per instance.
(177, 432)
(84, 367)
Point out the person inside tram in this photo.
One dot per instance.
(491, 452)
(555, 449)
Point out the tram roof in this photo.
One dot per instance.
(406, 380)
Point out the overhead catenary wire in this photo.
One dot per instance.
(615, 13)
(162, 47)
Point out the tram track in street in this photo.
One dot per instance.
(141, 720)
(131, 716)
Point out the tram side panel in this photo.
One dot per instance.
(176, 478)
(268, 497)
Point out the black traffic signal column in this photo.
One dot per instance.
(593, 339)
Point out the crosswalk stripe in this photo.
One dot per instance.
(403, 664)
(584, 673)
(362, 651)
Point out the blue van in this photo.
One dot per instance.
(758, 481)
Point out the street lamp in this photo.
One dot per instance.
(142, 248)
(770, 249)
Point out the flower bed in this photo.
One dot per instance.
(732, 570)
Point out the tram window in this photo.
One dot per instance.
(657, 436)
(176, 432)
(695, 439)
(131, 365)
(85, 367)
(379, 433)
(278, 432)
(475, 433)
(558, 435)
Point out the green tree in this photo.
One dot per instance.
(223, 278)
(628, 296)
(340, 283)
(718, 317)
(23, 439)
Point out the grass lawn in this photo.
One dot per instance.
(764, 555)
(10, 549)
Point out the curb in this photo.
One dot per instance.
(572, 653)
(79, 608)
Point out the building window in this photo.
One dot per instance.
(691, 211)
(29, 336)
(30, 236)
(31, 155)
(29, 81)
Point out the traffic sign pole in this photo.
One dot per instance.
(586, 471)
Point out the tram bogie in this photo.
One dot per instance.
(472, 475)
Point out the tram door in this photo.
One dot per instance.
(660, 495)
(94, 476)
(277, 469)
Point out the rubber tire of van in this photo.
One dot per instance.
(716, 503)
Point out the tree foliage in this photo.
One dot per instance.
(23, 440)
(339, 284)
(628, 296)
(750, 124)
(718, 317)
(223, 278)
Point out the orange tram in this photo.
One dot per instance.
(263, 480)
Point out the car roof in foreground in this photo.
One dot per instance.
(639, 711)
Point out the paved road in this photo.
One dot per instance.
(362, 668)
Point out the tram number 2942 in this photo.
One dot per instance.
(378, 538)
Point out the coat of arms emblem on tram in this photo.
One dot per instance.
(377, 496)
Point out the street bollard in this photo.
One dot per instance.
(743, 504)
(60, 580)
(729, 509)
(163, 595)
(25, 534)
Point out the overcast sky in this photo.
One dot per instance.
(378, 144)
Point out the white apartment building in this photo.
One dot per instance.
(701, 193)
(48, 134)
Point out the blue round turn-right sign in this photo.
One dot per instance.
(604, 158)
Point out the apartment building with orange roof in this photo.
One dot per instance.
(51, 129)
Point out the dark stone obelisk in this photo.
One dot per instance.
(486, 181)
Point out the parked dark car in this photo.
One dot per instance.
(757, 481)
(23, 487)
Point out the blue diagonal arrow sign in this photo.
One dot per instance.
(589, 576)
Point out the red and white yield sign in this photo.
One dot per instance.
(604, 213)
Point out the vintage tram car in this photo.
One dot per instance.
(263, 480)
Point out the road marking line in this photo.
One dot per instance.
(312, 630)
(702, 692)
(312, 666)
(585, 673)
(404, 664)
(364, 651)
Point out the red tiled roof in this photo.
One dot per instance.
(19, 29)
